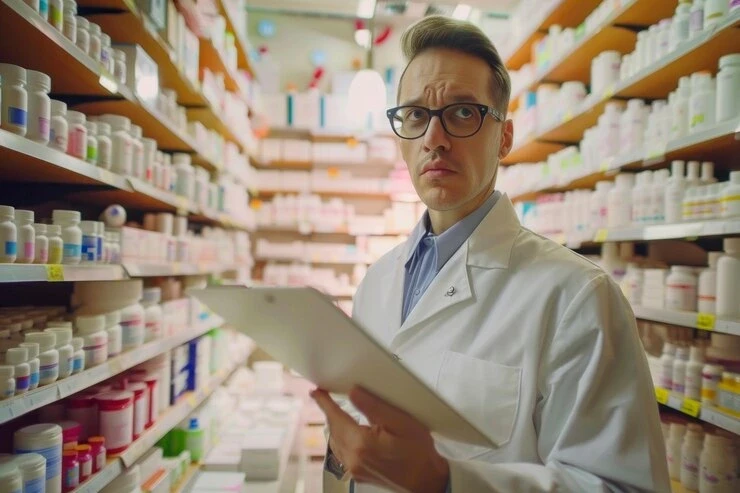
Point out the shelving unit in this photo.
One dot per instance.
(696, 409)
(693, 320)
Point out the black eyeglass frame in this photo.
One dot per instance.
(484, 110)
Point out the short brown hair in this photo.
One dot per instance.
(437, 31)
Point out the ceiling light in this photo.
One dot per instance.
(462, 12)
(366, 9)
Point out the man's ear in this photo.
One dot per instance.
(507, 139)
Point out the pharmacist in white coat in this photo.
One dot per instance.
(531, 342)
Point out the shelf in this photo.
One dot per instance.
(688, 319)
(329, 194)
(694, 229)
(696, 409)
(242, 45)
(59, 273)
(211, 59)
(22, 404)
(173, 269)
(184, 406)
(309, 231)
(531, 151)
(314, 260)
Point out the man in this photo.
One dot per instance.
(530, 341)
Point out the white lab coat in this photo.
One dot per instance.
(539, 348)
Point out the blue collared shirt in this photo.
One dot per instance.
(431, 252)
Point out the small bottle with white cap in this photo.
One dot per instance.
(18, 357)
(33, 362)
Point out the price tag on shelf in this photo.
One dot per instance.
(567, 116)
(662, 395)
(106, 80)
(705, 321)
(106, 175)
(691, 407)
(656, 152)
(255, 204)
(351, 142)
(54, 272)
(191, 400)
(333, 172)
(42, 397)
(609, 91)
(601, 235)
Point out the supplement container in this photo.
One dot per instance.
(71, 234)
(70, 20)
(673, 449)
(185, 184)
(33, 363)
(716, 463)
(116, 418)
(680, 289)
(92, 329)
(18, 357)
(48, 356)
(715, 12)
(690, 452)
(122, 153)
(152, 313)
(33, 470)
(8, 235)
(70, 470)
(678, 375)
(92, 142)
(728, 279)
(729, 199)
(56, 14)
(707, 289)
(132, 326)
(141, 406)
(83, 408)
(150, 152)
(59, 128)
(10, 477)
(44, 439)
(703, 103)
(728, 87)
(14, 99)
(95, 43)
(7, 381)
(159, 366)
(41, 250)
(39, 107)
(84, 457)
(674, 193)
(26, 236)
(83, 35)
(152, 382)
(70, 433)
(89, 241)
(115, 333)
(137, 160)
(56, 244)
(65, 349)
(119, 65)
(710, 377)
(98, 452)
(77, 137)
(105, 145)
(693, 380)
(106, 58)
(78, 355)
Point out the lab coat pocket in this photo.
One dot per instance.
(485, 393)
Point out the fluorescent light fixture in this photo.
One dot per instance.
(462, 12)
(366, 9)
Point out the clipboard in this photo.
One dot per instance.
(303, 329)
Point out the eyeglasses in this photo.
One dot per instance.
(459, 119)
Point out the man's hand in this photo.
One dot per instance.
(395, 451)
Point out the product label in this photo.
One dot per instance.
(43, 127)
(55, 254)
(53, 456)
(34, 379)
(71, 478)
(49, 372)
(89, 248)
(11, 248)
(132, 332)
(99, 461)
(34, 485)
(117, 427)
(77, 364)
(696, 21)
(22, 383)
(86, 468)
(17, 116)
(141, 415)
(154, 329)
(99, 246)
(77, 144)
(44, 8)
(92, 153)
(72, 251)
(58, 137)
(56, 16)
(29, 249)
(42, 255)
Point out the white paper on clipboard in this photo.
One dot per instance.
(302, 328)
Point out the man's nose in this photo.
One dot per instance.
(436, 137)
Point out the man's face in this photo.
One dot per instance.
(450, 173)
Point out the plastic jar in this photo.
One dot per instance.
(33, 470)
(56, 14)
(83, 35)
(59, 129)
(137, 160)
(26, 236)
(71, 234)
(150, 153)
(715, 12)
(77, 137)
(78, 355)
(33, 363)
(728, 279)
(84, 457)
(95, 43)
(185, 184)
(666, 365)
(119, 65)
(89, 241)
(65, 349)
(151, 297)
(70, 470)
(56, 244)
(92, 143)
(159, 366)
(98, 452)
(8, 235)
(105, 146)
(92, 330)
(703, 103)
(48, 356)
(11, 480)
(673, 449)
(678, 375)
(44, 439)
(690, 452)
(115, 333)
(680, 289)
(710, 377)
(728, 87)
(122, 150)
(83, 408)
(70, 20)
(18, 357)
(151, 381)
(141, 406)
(41, 250)
(39, 107)
(716, 463)
(7, 381)
(14, 99)
(132, 326)
(116, 418)
(106, 58)
(729, 198)
(707, 287)
(70, 433)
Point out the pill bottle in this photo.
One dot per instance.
(33, 470)
(106, 58)
(33, 363)
(100, 240)
(89, 241)
(59, 129)
(78, 355)
(690, 452)
(14, 116)
(11, 480)
(56, 14)
(137, 160)
(115, 333)
(152, 382)
(105, 146)
(92, 143)
(150, 152)
(680, 289)
(707, 287)
(92, 329)
(44, 439)
(77, 137)
(673, 449)
(65, 349)
(122, 154)
(70, 20)
(132, 326)
(710, 377)
(83, 34)
(728, 87)
(95, 43)
(70, 433)
(703, 102)
(48, 356)
(98, 452)
(26, 236)
(71, 234)
(728, 279)
(70, 470)
(666, 364)
(8, 235)
(119, 65)
(41, 250)
(678, 375)
(116, 419)
(18, 357)
(56, 244)
(185, 184)
(715, 11)
(729, 198)
(693, 380)
(39, 107)
(164, 225)
(7, 381)
(151, 297)
(83, 408)
(141, 406)
(717, 465)
(84, 457)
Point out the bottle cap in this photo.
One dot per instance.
(112, 318)
(58, 108)
(103, 128)
(65, 216)
(117, 122)
(7, 211)
(7, 371)
(39, 79)
(63, 334)
(76, 117)
(152, 295)
(12, 73)
(53, 229)
(89, 324)
(39, 228)
(77, 343)
(46, 340)
(16, 356)
(82, 23)
(32, 347)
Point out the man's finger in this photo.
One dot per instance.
(335, 415)
(381, 413)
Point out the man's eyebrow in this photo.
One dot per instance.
(456, 98)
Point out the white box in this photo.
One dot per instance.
(142, 73)
(260, 453)
(224, 457)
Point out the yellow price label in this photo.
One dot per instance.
(601, 235)
(351, 142)
(191, 400)
(567, 116)
(691, 407)
(333, 172)
(609, 91)
(255, 204)
(54, 273)
(705, 321)
(662, 395)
